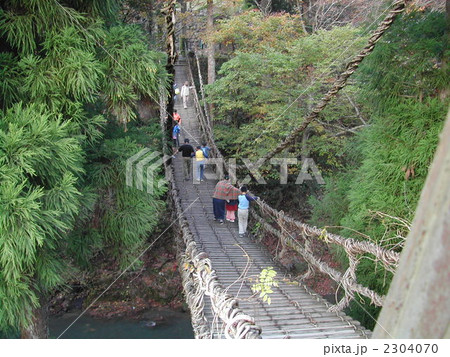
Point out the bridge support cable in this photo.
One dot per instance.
(202, 91)
(199, 279)
(398, 7)
(202, 113)
(169, 14)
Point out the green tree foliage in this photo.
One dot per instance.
(375, 141)
(264, 105)
(63, 198)
(39, 165)
(403, 88)
(132, 72)
(25, 23)
(9, 80)
(115, 218)
(251, 31)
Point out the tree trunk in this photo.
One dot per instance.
(183, 46)
(38, 327)
(211, 48)
(417, 302)
(265, 6)
(151, 21)
(169, 12)
(447, 10)
(304, 153)
(300, 5)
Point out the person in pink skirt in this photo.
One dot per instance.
(231, 206)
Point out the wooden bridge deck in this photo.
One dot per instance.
(294, 312)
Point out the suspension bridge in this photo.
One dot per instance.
(219, 267)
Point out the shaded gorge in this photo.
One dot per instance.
(154, 324)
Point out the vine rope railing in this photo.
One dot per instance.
(202, 91)
(198, 277)
(298, 235)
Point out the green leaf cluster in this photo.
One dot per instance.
(117, 218)
(264, 105)
(40, 165)
(69, 74)
(251, 31)
(264, 284)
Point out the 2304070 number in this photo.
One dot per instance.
(411, 348)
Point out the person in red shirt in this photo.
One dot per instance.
(231, 206)
(224, 191)
(176, 117)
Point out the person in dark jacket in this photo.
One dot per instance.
(187, 152)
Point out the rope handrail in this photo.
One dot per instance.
(346, 280)
(389, 258)
(198, 277)
(205, 122)
(202, 91)
(352, 247)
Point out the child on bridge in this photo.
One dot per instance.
(176, 117)
(243, 207)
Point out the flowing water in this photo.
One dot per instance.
(162, 323)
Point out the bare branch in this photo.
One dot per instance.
(358, 113)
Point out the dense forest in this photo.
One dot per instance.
(80, 83)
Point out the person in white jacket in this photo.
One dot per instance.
(185, 94)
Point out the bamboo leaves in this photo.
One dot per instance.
(38, 197)
(131, 72)
(63, 73)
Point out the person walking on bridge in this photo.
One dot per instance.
(224, 191)
(187, 152)
(206, 150)
(243, 207)
(176, 91)
(200, 163)
(176, 136)
(176, 117)
(185, 94)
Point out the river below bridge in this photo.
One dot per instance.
(154, 324)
